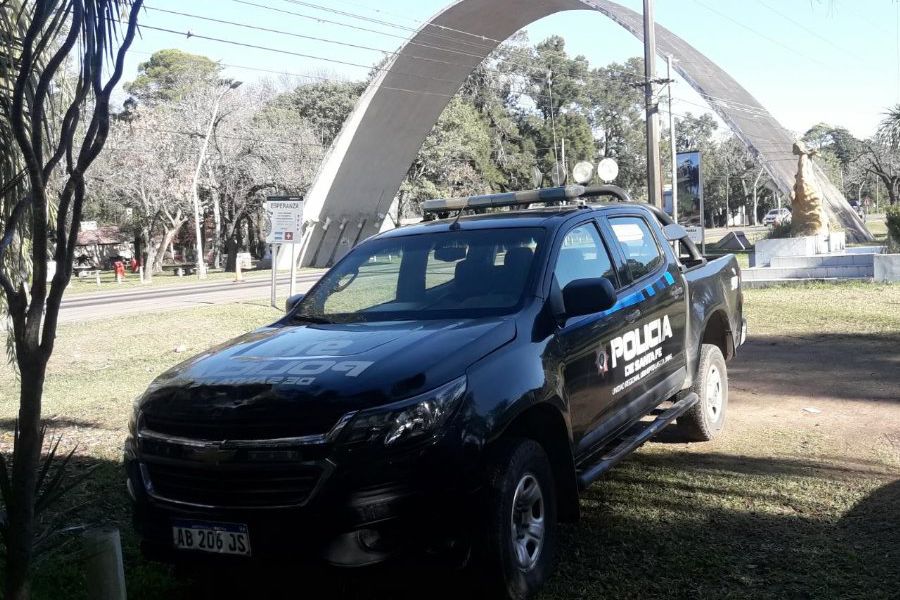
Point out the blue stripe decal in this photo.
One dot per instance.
(638, 297)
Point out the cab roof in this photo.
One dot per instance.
(544, 217)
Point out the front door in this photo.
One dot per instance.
(584, 341)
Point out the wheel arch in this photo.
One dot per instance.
(717, 331)
(546, 425)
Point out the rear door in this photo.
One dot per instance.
(648, 357)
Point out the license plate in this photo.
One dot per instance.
(217, 538)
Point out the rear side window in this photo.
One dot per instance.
(582, 256)
(642, 253)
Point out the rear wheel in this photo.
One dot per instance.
(521, 519)
(706, 419)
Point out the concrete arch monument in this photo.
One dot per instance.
(365, 166)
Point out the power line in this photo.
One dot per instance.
(336, 61)
(190, 34)
(757, 33)
(308, 37)
(352, 15)
(412, 42)
(356, 27)
(194, 134)
(812, 32)
(321, 19)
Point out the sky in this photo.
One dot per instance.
(806, 61)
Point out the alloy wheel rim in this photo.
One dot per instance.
(528, 525)
(714, 393)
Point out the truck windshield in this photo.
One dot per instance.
(431, 276)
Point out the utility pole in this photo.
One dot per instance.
(654, 176)
(552, 118)
(201, 262)
(672, 141)
(564, 164)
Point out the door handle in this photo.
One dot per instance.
(633, 316)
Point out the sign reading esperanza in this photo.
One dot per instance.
(284, 219)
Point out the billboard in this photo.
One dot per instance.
(689, 188)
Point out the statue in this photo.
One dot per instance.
(807, 214)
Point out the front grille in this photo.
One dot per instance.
(233, 485)
(199, 427)
(251, 412)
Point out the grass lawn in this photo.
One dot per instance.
(88, 285)
(785, 504)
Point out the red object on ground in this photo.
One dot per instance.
(119, 267)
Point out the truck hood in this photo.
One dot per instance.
(324, 368)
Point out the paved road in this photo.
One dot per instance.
(98, 306)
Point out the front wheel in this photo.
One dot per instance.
(520, 531)
(706, 419)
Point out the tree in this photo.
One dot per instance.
(324, 106)
(170, 75)
(889, 128)
(617, 118)
(878, 158)
(260, 148)
(42, 36)
(695, 132)
(148, 169)
(452, 160)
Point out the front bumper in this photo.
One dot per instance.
(363, 511)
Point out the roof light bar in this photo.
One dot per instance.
(554, 194)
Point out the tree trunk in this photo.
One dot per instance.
(169, 234)
(257, 239)
(217, 228)
(26, 459)
(233, 241)
(147, 253)
(231, 250)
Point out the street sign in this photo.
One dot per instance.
(284, 219)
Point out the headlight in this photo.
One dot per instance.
(415, 417)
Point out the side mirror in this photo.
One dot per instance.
(292, 301)
(674, 232)
(587, 296)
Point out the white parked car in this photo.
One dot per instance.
(777, 216)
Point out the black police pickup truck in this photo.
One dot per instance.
(445, 390)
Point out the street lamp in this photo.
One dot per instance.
(201, 263)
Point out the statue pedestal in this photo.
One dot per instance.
(807, 245)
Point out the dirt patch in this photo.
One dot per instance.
(842, 387)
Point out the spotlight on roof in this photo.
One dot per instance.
(583, 172)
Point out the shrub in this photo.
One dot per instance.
(780, 231)
(892, 220)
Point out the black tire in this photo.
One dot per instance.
(514, 463)
(706, 419)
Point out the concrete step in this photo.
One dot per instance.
(824, 260)
(839, 272)
(762, 283)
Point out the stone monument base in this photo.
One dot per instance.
(807, 245)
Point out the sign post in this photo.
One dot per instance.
(284, 226)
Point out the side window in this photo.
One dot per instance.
(642, 254)
(374, 282)
(582, 256)
(441, 266)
